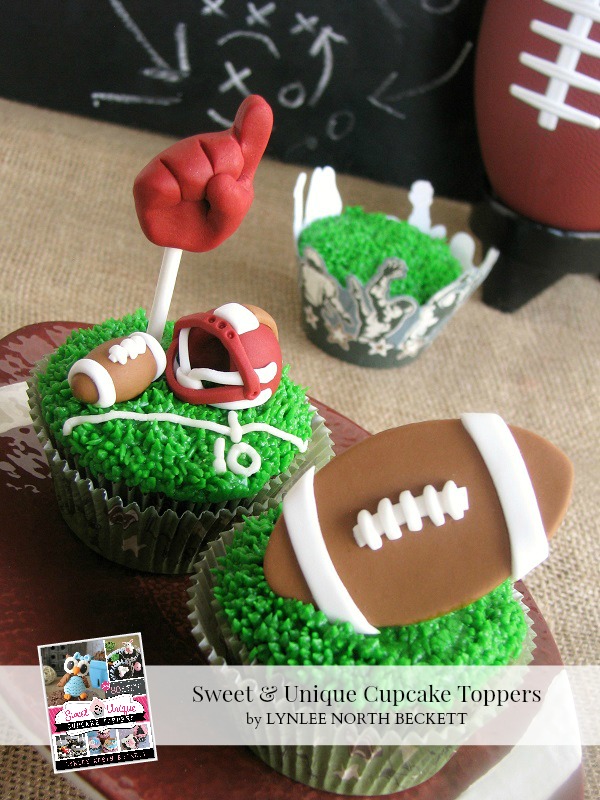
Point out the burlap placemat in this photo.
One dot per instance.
(72, 249)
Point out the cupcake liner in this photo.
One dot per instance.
(339, 768)
(365, 771)
(149, 532)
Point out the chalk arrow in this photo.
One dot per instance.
(161, 69)
(322, 44)
(388, 102)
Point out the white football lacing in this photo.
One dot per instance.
(409, 511)
(563, 73)
(129, 348)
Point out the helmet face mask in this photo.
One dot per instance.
(228, 357)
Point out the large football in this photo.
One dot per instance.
(537, 102)
(418, 521)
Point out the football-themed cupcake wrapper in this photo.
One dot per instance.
(342, 329)
(363, 323)
(339, 768)
(143, 531)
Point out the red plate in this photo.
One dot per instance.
(42, 560)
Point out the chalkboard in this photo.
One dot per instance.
(380, 88)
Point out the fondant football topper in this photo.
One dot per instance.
(418, 521)
(228, 357)
(117, 370)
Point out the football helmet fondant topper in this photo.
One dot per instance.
(228, 357)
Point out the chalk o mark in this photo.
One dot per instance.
(292, 96)
(339, 125)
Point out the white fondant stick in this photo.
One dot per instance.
(164, 291)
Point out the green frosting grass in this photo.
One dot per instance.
(277, 630)
(161, 456)
(357, 243)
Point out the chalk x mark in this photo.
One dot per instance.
(304, 24)
(235, 79)
(258, 16)
(213, 7)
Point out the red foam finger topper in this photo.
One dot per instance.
(196, 193)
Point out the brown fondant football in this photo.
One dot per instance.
(117, 370)
(418, 521)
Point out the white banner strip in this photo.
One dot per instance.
(539, 706)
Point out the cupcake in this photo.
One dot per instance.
(340, 576)
(376, 290)
(160, 434)
(147, 481)
(104, 735)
